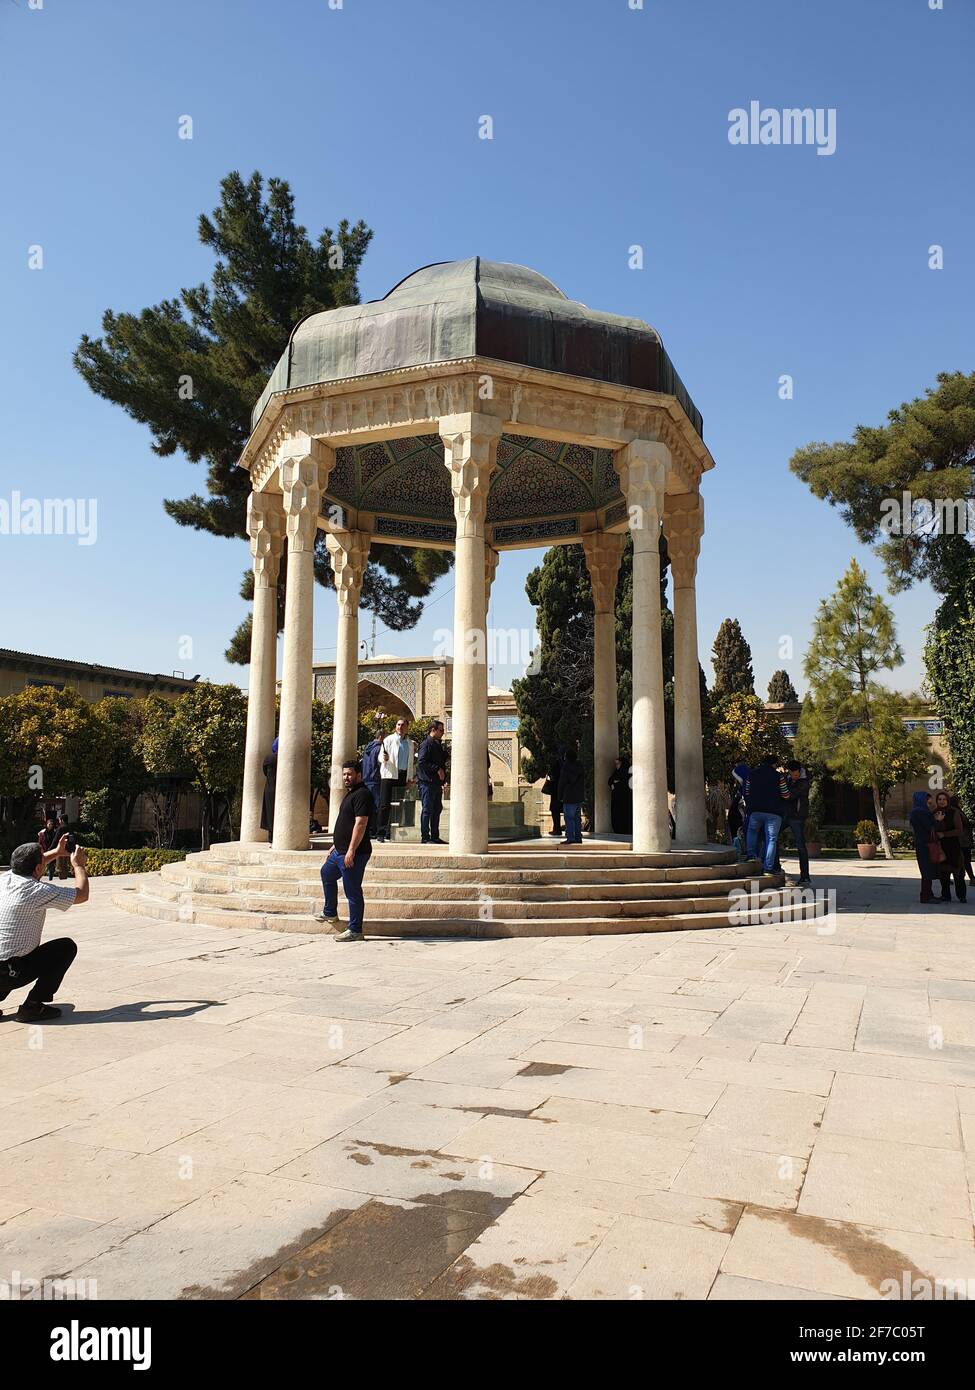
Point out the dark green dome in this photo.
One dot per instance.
(476, 308)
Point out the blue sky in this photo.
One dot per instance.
(610, 129)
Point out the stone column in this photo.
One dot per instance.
(684, 526)
(470, 449)
(265, 526)
(642, 468)
(304, 473)
(349, 554)
(603, 551)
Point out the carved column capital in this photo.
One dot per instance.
(642, 467)
(470, 444)
(305, 467)
(265, 527)
(603, 550)
(684, 527)
(348, 552)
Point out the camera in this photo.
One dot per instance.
(72, 843)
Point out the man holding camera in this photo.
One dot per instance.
(25, 896)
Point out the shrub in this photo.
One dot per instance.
(901, 840)
(866, 833)
(102, 862)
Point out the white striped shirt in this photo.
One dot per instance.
(23, 903)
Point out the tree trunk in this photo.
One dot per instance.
(878, 807)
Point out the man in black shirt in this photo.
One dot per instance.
(431, 773)
(350, 854)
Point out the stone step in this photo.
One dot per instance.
(266, 878)
(379, 907)
(584, 858)
(145, 904)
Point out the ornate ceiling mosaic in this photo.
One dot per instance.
(534, 478)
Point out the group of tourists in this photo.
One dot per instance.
(943, 845)
(764, 800)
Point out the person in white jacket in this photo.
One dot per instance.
(395, 771)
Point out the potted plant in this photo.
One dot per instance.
(867, 838)
(814, 844)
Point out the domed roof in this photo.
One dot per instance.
(476, 308)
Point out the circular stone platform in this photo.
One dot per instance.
(529, 889)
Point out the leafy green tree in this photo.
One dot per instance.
(192, 367)
(731, 657)
(781, 691)
(52, 743)
(849, 721)
(321, 749)
(128, 775)
(949, 658)
(209, 723)
(739, 729)
(161, 749)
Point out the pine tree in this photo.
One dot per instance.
(781, 691)
(849, 721)
(731, 657)
(192, 367)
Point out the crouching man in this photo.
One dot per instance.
(351, 849)
(25, 897)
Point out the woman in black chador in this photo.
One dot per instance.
(270, 766)
(621, 799)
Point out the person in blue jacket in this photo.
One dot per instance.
(370, 766)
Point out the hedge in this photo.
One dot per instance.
(129, 861)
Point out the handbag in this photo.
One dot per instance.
(547, 788)
(935, 853)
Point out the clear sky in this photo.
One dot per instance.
(610, 130)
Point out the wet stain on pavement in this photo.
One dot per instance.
(871, 1259)
(379, 1251)
(495, 1282)
(544, 1069)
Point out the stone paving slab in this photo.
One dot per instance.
(776, 1112)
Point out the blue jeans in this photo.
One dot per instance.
(760, 822)
(431, 803)
(334, 869)
(798, 828)
(573, 822)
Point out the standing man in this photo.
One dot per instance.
(350, 853)
(395, 771)
(431, 774)
(572, 792)
(797, 809)
(764, 810)
(63, 861)
(24, 900)
(370, 765)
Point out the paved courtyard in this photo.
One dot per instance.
(755, 1113)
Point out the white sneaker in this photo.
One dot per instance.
(329, 921)
(349, 936)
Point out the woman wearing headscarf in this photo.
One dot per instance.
(270, 767)
(621, 798)
(947, 827)
(922, 826)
